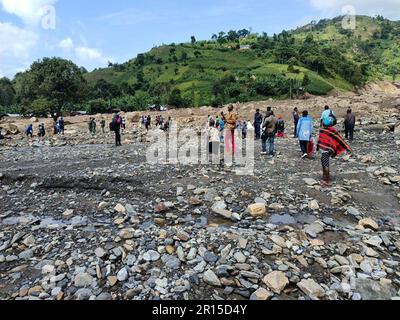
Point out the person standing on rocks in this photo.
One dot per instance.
(305, 132)
(123, 125)
(269, 133)
(61, 124)
(349, 125)
(1, 135)
(221, 128)
(148, 123)
(296, 119)
(94, 126)
(42, 131)
(56, 127)
(29, 130)
(213, 142)
(231, 122)
(258, 120)
(331, 145)
(90, 125)
(328, 118)
(115, 126)
(244, 130)
(103, 125)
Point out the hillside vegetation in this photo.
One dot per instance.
(230, 67)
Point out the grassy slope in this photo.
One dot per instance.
(197, 74)
(213, 63)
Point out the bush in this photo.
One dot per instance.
(97, 106)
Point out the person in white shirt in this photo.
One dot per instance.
(213, 143)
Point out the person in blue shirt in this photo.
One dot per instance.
(305, 132)
(29, 131)
(328, 118)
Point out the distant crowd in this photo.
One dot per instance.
(221, 131)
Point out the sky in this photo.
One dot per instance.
(93, 32)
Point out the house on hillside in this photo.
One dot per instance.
(245, 47)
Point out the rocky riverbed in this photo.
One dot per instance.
(89, 221)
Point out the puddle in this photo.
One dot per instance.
(46, 222)
(18, 220)
(284, 219)
(287, 219)
(51, 223)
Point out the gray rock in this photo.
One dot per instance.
(210, 257)
(151, 256)
(211, 278)
(171, 262)
(122, 275)
(83, 280)
(105, 296)
(83, 294)
(100, 253)
(26, 255)
(373, 290)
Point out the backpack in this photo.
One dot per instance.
(112, 125)
(330, 121)
(334, 119)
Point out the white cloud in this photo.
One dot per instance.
(30, 11)
(82, 52)
(90, 54)
(387, 8)
(16, 42)
(66, 44)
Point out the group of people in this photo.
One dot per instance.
(59, 126)
(117, 124)
(269, 127)
(160, 122)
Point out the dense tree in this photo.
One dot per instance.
(193, 39)
(243, 33)
(105, 90)
(184, 56)
(394, 70)
(56, 80)
(7, 92)
(175, 98)
(233, 36)
(140, 60)
(306, 81)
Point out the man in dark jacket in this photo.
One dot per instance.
(117, 122)
(258, 120)
(62, 125)
(349, 125)
(296, 118)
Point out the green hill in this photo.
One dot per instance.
(218, 71)
(238, 66)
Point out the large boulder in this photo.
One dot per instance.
(257, 210)
(276, 281)
(373, 290)
(11, 129)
